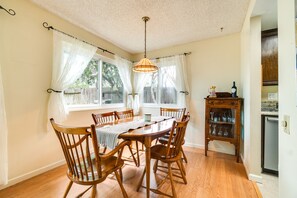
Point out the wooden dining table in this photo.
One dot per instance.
(146, 134)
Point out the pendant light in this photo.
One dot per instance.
(145, 65)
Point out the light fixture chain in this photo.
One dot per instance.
(145, 38)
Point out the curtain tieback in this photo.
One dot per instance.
(50, 90)
(130, 94)
(185, 92)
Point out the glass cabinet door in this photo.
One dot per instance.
(222, 122)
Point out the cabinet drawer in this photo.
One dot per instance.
(223, 102)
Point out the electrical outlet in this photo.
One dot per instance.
(286, 124)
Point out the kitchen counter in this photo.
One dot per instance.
(273, 113)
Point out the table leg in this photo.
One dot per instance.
(147, 143)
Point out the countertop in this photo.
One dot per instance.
(274, 113)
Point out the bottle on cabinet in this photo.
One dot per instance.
(234, 90)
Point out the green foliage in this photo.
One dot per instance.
(110, 76)
(89, 77)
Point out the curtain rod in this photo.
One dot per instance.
(9, 11)
(186, 53)
(46, 25)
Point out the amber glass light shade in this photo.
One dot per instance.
(145, 65)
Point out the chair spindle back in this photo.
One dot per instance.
(77, 148)
(124, 114)
(103, 118)
(176, 137)
(177, 113)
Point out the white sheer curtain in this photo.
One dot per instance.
(177, 78)
(70, 58)
(139, 83)
(182, 81)
(125, 69)
(3, 137)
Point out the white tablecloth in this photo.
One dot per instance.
(108, 134)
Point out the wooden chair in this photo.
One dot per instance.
(85, 165)
(109, 117)
(177, 113)
(104, 118)
(169, 154)
(124, 115)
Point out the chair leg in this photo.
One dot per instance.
(121, 184)
(171, 180)
(121, 174)
(137, 153)
(179, 164)
(133, 156)
(94, 191)
(156, 166)
(68, 188)
(183, 167)
(104, 150)
(184, 155)
(141, 179)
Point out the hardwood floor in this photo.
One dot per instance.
(217, 175)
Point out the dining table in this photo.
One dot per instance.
(137, 129)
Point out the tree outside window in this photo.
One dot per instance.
(99, 79)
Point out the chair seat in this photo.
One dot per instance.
(159, 152)
(107, 167)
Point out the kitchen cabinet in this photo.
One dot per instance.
(269, 57)
(223, 121)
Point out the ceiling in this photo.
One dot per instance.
(172, 22)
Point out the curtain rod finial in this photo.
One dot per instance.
(46, 25)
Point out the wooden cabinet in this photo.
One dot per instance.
(223, 121)
(269, 57)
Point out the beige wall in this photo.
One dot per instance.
(287, 99)
(26, 59)
(251, 81)
(212, 62)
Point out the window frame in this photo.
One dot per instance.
(83, 107)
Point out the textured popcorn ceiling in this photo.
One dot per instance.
(172, 22)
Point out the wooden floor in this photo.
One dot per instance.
(215, 176)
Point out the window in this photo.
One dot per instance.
(100, 84)
(160, 87)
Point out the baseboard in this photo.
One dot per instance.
(200, 146)
(211, 148)
(252, 177)
(31, 174)
(255, 178)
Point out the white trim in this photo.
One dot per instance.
(252, 177)
(256, 178)
(221, 150)
(200, 146)
(33, 173)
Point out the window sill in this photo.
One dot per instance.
(93, 107)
